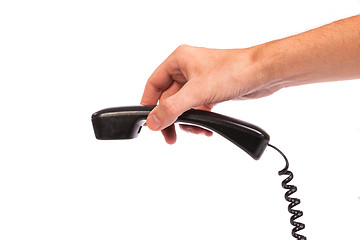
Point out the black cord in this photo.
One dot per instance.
(293, 201)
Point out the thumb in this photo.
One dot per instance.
(170, 108)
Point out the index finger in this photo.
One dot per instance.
(158, 82)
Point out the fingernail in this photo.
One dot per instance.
(153, 122)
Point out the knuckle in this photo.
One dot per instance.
(182, 48)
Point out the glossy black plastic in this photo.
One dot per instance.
(126, 123)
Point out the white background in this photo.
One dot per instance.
(60, 61)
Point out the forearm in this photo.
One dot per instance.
(328, 53)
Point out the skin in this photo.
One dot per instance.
(196, 77)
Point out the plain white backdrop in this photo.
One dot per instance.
(60, 61)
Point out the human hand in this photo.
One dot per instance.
(193, 77)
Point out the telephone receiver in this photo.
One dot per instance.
(126, 123)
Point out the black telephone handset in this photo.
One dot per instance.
(126, 123)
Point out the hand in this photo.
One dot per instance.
(193, 77)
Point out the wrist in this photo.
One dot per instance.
(269, 63)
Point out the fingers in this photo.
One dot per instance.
(162, 78)
(158, 82)
(169, 134)
(169, 86)
(165, 81)
(169, 109)
(195, 130)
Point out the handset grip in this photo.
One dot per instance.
(126, 123)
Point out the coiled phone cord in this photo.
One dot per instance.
(293, 201)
